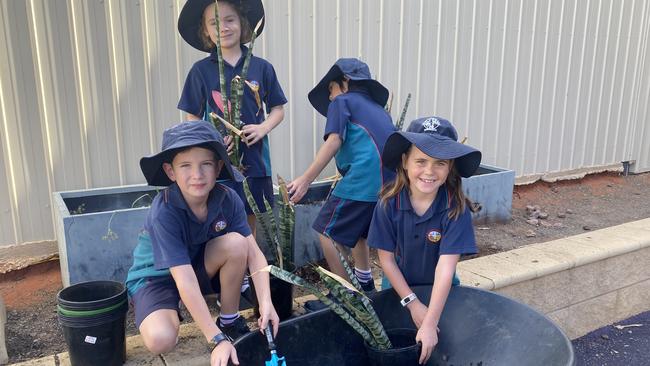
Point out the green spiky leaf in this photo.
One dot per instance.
(400, 121)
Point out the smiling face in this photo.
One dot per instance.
(229, 22)
(195, 171)
(425, 174)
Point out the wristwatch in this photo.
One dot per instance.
(218, 338)
(408, 299)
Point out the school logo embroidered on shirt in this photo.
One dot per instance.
(219, 225)
(434, 236)
(431, 124)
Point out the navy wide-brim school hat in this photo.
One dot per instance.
(191, 17)
(435, 137)
(185, 135)
(353, 69)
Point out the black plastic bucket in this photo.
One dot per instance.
(281, 296)
(405, 351)
(93, 317)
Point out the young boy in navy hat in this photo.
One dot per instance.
(201, 93)
(355, 132)
(195, 241)
(422, 223)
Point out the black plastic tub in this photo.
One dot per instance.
(476, 328)
(404, 352)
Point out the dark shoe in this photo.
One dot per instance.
(368, 287)
(236, 329)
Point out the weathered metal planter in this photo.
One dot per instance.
(306, 248)
(97, 230)
(491, 187)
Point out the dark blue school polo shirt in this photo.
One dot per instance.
(173, 236)
(418, 241)
(197, 99)
(364, 127)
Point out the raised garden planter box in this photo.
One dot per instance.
(306, 244)
(491, 187)
(97, 230)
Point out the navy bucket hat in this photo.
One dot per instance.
(435, 137)
(353, 69)
(191, 18)
(185, 135)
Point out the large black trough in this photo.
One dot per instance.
(477, 328)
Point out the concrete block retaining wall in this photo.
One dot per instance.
(581, 282)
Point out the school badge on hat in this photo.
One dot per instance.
(434, 236)
(219, 225)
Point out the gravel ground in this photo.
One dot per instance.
(623, 343)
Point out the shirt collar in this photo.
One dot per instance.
(174, 196)
(441, 203)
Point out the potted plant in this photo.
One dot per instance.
(347, 300)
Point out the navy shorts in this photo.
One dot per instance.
(260, 187)
(161, 292)
(345, 221)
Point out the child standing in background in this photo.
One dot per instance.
(201, 94)
(423, 223)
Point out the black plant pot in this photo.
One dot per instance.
(405, 351)
(281, 296)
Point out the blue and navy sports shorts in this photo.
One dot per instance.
(162, 293)
(260, 187)
(345, 221)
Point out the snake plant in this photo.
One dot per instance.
(346, 301)
(400, 121)
(279, 233)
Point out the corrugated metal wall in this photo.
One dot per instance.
(539, 86)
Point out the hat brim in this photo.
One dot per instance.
(319, 96)
(191, 16)
(467, 159)
(152, 166)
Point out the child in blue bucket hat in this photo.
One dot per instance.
(423, 222)
(355, 132)
(262, 107)
(195, 241)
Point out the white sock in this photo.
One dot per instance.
(227, 319)
(364, 276)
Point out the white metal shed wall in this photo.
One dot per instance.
(538, 85)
